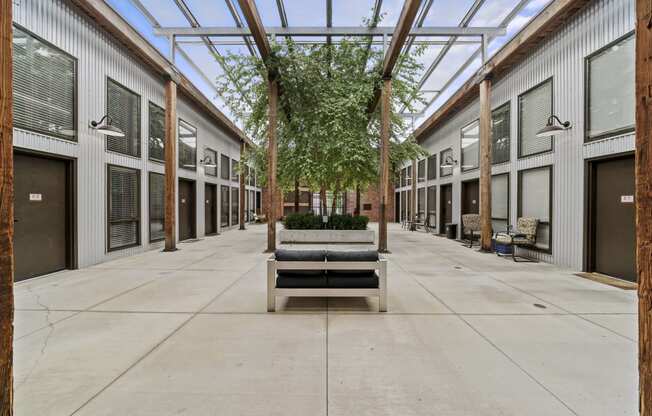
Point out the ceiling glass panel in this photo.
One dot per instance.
(450, 64)
(493, 12)
(211, 13)
(304, 12)
(165, 12)
(352, 13)
(447, 13)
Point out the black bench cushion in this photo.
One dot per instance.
(300, 255)
(294, 280)
(366, 255)
(369, 280)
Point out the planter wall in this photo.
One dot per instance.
(327, 236)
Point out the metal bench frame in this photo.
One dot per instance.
(273, 266)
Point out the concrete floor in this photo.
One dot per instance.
(187, 333)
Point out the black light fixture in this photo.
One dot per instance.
(449, 162)
(104, 126)
(551, 128)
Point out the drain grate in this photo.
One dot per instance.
(538, 305)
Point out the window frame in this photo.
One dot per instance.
(149, 207)
(75, 116)
(509, 197)
(462, 147)
(421, 169)
(440, 161)
(223, 158)
(209, 149)
(518, 118)
(140, 119)
(139, 220)
(587, 93)
(149, 125)
(235, 175)
(550, 168)
(507, 104)
(179, 165)
(433, 176)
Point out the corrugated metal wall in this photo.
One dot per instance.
(562, 58)
(99, 56)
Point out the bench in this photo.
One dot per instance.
(321, 273)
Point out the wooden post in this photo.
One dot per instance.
(6, 211)
(644, 200)
(242, 193)
(485, 165)
(271, 165)
(414, 199)
(170, 165)
(385, 115)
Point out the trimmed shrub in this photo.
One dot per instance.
(309, 221)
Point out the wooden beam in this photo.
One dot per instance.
(242, 193)
(170, 165)
(271, 164)
(485, 165)
(255, 24)
(413, 200)
(383, 185)
(401, 32)
(6, 210)
(644, 200)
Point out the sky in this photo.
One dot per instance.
(313, 13)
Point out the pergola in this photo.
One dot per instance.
(410, 29)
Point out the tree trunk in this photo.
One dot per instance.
(242, 192)
(6, 211)
(323, 209)
(296, 196)
(357, 201)
(271, 165)
(335, 194)
(385, 115)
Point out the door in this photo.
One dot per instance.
(613, 218)
(446, 206)
(397, 207)
(186, 210)
(210, 209)
(42, 215)
(471, 197)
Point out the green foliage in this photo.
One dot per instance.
(310, 221)
(326, 136)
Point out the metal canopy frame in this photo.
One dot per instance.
(395, 40)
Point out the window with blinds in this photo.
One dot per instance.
(235, 201)
(534, 109)
(500, 134)
(432, 167)
(45, 82)
(471, 146)
(210, 158)
(123, 107)
(408, 176)
(403, 177)
(421, 202)
(224, 206)
(446, 162)
(156, 139)
(535, 200)
(421, 169)
(225, 169)
(187, 146)
(123, 207)
(156, 206)
(235, 177)
(432, 205)
(500, 202)
(610, 94)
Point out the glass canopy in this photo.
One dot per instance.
(450, 58)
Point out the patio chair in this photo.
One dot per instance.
(471, 227)
(419, 221)
(524, 236)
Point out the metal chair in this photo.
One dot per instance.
(471, 226)
(524, 236)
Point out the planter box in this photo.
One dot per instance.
(327, 236)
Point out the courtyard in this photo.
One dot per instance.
(466, 333)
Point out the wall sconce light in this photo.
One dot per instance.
(551, 128)
(104, 127)
(449, 162)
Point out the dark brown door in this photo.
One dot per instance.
(397, 207)
(186, 209)
(614, 227)
(446, 206)
(210, 209)
(471, 197)
(41, 237)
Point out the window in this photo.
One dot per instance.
(156, 140)
(224, 167)
(471, 146)
(500, 133)
(432, 167)
(224, 206)
(432, 205)
(366, 207)
(535, 200)
(403, 177)
(210, 158)
(421, 202)
(156, 206)
(123, 106)
(446, 162)
(187, 146)
(534, 109)
(45, 82)
(500, 202)
(235, 201)
(610, 94)
(421, 169)
(123, 207)
(408, 176)
(235, 177)
(408, 204)
(403, 207)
